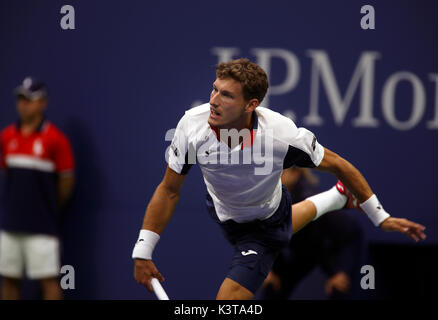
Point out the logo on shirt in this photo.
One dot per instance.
(314, 143)
(175, 150)
(13, 145)
(38, 147)
(247, 253)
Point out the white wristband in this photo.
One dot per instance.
(374, 210)
(145, 245)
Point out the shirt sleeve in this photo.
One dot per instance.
(63, 155)
(303, 150)
(180, 155)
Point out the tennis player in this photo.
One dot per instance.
(242, 150)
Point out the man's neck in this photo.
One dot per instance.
(247, 123)
(28, 126)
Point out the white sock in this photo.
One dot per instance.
(327, 201)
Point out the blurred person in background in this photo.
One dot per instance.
(37, 162)
(335, 243)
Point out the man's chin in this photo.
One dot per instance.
(213, 123)
(28, 117)
(25, 118)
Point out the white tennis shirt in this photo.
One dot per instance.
(244, 182)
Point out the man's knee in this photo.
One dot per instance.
(231, 290)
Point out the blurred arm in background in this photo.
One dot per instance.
(66, 183)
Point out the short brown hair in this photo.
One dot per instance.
(252, 77)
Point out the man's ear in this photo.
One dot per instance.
(251, 105)
(43, 104)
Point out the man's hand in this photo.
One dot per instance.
(274, 280)
(144, 271)
(409, 228)
(340, 281)
(391, 224)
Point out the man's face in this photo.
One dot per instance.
(29, 109)
(227, 105)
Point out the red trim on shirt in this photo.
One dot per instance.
(216, 132)
(247, 142)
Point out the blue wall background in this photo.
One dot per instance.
(128, 71)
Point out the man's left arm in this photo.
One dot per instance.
(66, 184)
(64, 162)
(356, 183)
(3, 171)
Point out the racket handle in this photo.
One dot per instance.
(158, 289)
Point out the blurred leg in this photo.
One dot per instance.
(290, 274)
(302, 213)
(51, 289)
(273, 288)
(10, 289)
(11, 264)
(315, 206)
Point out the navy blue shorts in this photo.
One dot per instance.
(256, 243)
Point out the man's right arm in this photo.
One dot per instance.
(158, 214)
(162, 205)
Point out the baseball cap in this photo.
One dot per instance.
(31, 89)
